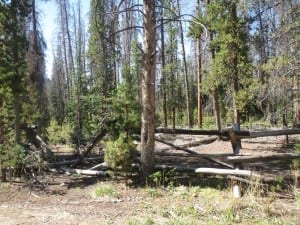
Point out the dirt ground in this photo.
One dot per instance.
(71, 199)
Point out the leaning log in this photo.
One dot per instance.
(96, 139)
(226, 165)
(268, 157)
(208, 140)
(226, 172)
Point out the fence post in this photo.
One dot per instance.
(236, 145)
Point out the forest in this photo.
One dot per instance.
(147, 65)
(133, 68)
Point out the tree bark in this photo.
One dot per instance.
(296, 100)
(3, 169)
(148, 90)
(199, 83)
(235, 76)
(216, 108)
(199, 78)
(64, 47)
(163, 63)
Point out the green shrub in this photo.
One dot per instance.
(120, 153)
(105, 190)
(59, 134)
(12, 157)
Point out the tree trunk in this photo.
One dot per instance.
(296, 100)
(214, 91)
(235, 75)
(3, 170)
(199, 82)
(17, 117)
(186, 80)
(199, 78)
(70, 51)
(64, 46)
(216, 108)
(148, 90)
(163, 63)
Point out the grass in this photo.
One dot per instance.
(193, 205)
(105, 190)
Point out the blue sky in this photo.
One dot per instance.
(48, 14)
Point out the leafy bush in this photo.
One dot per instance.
(59, 134)
(120, 153)
(13, 157)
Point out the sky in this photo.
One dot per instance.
(48, 14)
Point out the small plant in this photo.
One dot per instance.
(120, 153)
(105, 190)
(154, 192)
(156, 178)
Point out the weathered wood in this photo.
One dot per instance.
(97, 137)
(226, 172)
(188, 131)
(268, 157)
(47, 153)
(242, 134)
(196, 143)
(256, 134)
(100, 165)
(198, 155)
(247, 181)
(175, 168)
(87, 172)
(226, 165)
(70, 162)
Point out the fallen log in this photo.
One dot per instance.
(97, 137)
(256, 158)
(100, 165)
(196, 143)
(226, 172)
(47, 153)
(198, 155)
(255, 182)
(226, 165)
(241, 133)
(70, 162)
(175, 168)
(87, 172)
(256, 134)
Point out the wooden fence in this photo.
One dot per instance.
(235, 135)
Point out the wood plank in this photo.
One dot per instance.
(268, 157)
(226, 172)
(269, 133)
(243, 134)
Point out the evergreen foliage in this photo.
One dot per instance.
(119, 153)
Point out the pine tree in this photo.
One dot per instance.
(230, 66)
(13, 47)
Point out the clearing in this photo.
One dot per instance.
(173, 198)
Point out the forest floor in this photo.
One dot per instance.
(171, 199)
